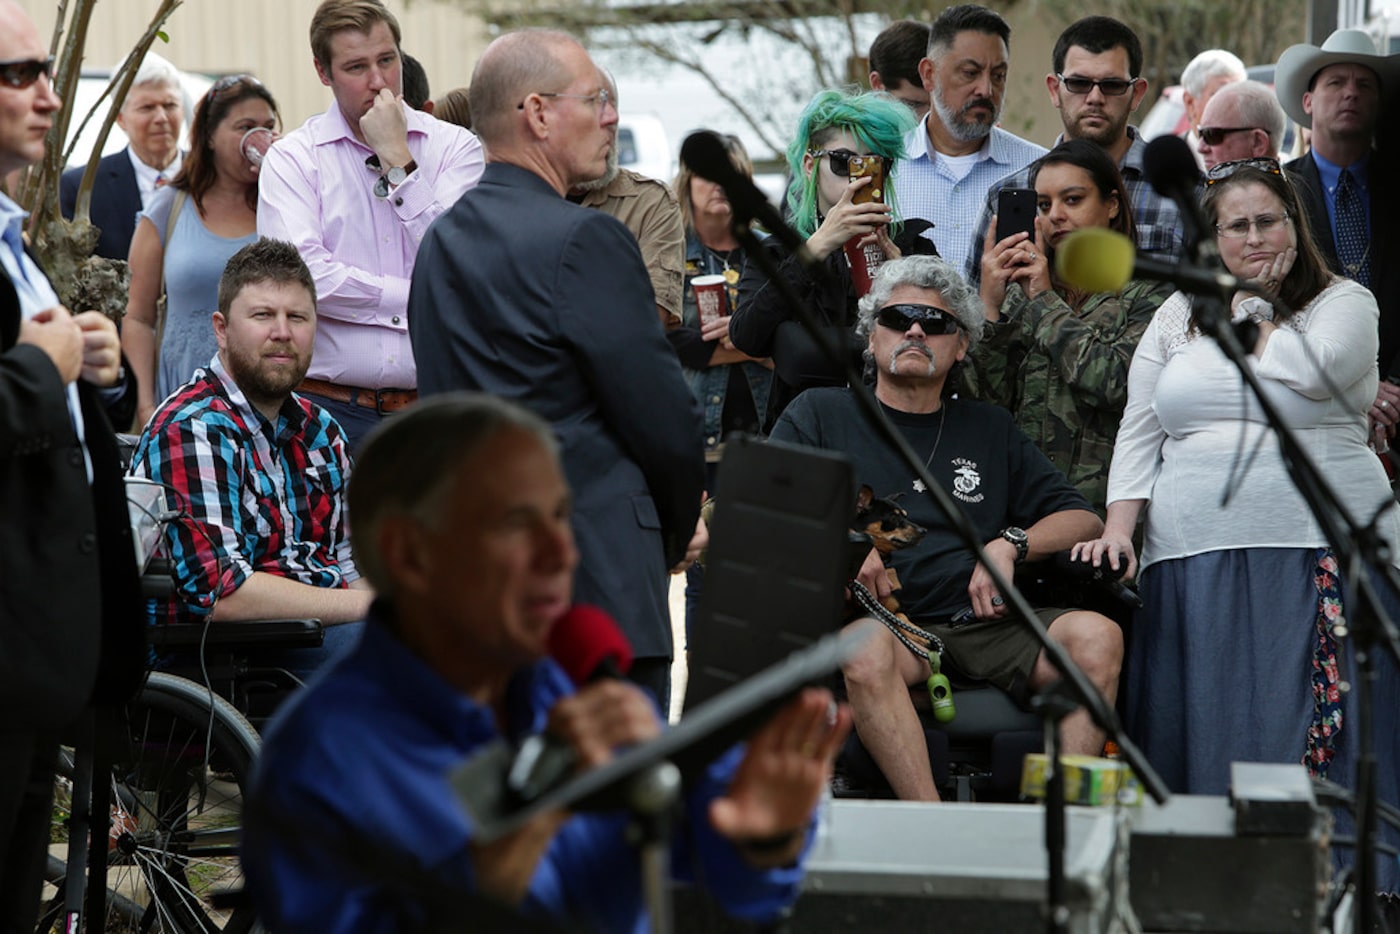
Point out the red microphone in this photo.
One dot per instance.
(588, 645)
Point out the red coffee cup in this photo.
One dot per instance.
(864, 261)
(711, 297)
(256, 142)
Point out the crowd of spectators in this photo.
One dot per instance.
(595, 334)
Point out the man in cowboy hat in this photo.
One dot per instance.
(1336, 90)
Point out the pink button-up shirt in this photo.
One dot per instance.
(316, 193)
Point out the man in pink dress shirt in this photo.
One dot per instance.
(355, 189)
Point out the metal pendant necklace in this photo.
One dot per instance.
(942, 417)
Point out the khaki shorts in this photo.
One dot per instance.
(1001, 651)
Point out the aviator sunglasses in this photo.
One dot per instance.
(21, 73)
(932, 319)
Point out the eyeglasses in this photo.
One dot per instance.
(381, 184)
(1264, 223)
(22, 72)
(931, 319)
(217, 89)
(602, 99)
(1223, 170)
(840, 160)
(1111, 87)
(1215, 135)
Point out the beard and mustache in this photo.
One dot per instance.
(956, 122)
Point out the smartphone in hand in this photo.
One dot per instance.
(872, 167)
(1015, 212)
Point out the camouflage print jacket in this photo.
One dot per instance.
(1063, 373)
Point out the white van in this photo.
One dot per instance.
(642, 147)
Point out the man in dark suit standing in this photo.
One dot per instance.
(521, 294)
(71, 627)
(151, 117)
(1350, 199)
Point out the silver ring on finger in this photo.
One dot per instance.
(998, 601)
(1385, 403)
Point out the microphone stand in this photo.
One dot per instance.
(1073, 683)
(1361, 552)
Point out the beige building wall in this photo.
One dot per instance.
(268, 38)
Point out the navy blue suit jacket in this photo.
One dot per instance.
(521, 294)
(116, 200)
(1385, 276)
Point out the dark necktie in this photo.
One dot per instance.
(1353, 240)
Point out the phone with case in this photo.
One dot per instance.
(1016, 211)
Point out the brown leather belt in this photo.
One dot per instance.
(382, 401)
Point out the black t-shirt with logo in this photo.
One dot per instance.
(992, 470)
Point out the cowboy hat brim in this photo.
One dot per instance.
(1298, 63)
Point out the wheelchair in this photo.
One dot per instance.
(978, 756)
(145, 822)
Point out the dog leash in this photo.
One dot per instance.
(940, 691)
(902, 630)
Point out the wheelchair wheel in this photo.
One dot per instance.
(179, 769)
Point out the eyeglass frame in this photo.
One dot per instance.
(1128, 85)
(1252, 223)
(600, 98)
(41, 67)
(925, 314)
(847, 155)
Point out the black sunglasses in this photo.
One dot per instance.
(1215, 135)
(21, 73)
(930, 318)
(227, 82)
(840, 160)
(1113, 87)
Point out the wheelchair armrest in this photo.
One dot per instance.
(247, 634)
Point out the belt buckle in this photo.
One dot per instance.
(379, 402)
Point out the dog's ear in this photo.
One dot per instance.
(864, 497)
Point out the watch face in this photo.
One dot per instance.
(397, 175)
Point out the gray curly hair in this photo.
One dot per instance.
(925, 272)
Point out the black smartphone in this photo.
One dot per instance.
(1015, 212)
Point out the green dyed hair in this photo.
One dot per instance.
(877, 121)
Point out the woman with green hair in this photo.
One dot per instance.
(827, 204)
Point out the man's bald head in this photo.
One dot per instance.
(512, 67)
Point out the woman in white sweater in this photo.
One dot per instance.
(1234, 656)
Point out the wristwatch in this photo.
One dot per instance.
(397, 173)
(1018, 538)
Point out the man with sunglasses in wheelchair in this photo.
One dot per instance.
(919, 321)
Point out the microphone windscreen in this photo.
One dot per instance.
(1169, 166)
(704, 154)
(1095, 259)
(583, 640)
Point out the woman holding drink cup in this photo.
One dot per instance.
(840, 199)
(730, 384)
(183, 240)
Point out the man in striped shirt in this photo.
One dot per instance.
(256, 472)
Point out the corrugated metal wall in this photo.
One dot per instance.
(269, 39)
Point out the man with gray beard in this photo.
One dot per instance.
(919, 321)
(958, 151)
(647, 207)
